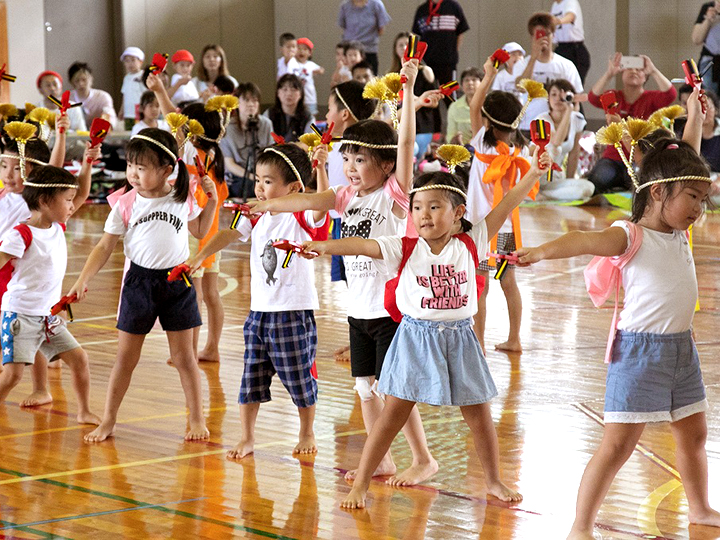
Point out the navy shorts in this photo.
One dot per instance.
(337, 265)
(369, 341)
(147, 295)
(282, 342)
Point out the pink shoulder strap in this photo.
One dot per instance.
(125, 201)
(343, 196)
(603, 275)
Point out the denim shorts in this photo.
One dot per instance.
(438, 363)
(653, 378)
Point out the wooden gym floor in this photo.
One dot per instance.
(148, 483)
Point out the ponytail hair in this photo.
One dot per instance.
(211, 123)
(158, 147)
(503, 107)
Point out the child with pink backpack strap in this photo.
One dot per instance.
(435, 356)
(654, 371)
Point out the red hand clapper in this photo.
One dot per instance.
(692, 77)
(64, 305)
(500, 56)
(159, 61)
(415, 50)
(609, 102)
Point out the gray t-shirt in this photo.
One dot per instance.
(363, 23)
(237, 142)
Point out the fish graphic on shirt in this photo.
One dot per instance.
(269, 262)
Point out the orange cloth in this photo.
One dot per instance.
(201, 198)
(502, 172)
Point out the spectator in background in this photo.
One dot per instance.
(505, 79)
(364, 21)
(441, 23)
(223, 85)
(287, 63)
(95, 103)
(289, 116)
(212, 63)
(149, 114)
(49, 83)
(459, 130)
(706, 32)
(133, 85)
(609, 172)
(362, 72)
(307, 69)
(570, 34)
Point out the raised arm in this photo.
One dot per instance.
(700, 30)
(97, 259)
(155, 84)
(650, 70)
(323, 181)
(694, 125)
(345, 246)
(406, 130)
(85, 175)
(479, 98)
(57, 158)
(610, 242)
(612, 70)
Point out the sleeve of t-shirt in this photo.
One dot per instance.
(703, 11)
(126, 85)
(391, 248)
(381, 15)
(477, 140)
(244, 227)
(571, 6)
(462, 25)
(623, 224)
(114, 222)
(310, 219)
(479, 235)
(578, 122)
(194, 209)
(12, 243)
(574, 77)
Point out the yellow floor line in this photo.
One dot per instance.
(646, 515)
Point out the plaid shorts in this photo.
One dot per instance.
(282, 342)
(505, 245)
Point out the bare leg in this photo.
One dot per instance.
(481, 315)
(690, 436)
(384, 430)
(514, 304)
(248, 415)
(40, 394)
(77, 360)
(617, 445)
(128, 355)
(424, 465)
(9, 378)
(215, 318)
(185, 361)
(197, 282)
(479, 420)
(306, 440)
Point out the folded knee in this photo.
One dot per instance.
(366, 387)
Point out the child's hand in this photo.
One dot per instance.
(457, 139)
(258, 207)
(79, 289)
(410, 71)
(185, 79)
(489, 67)
(194, 263)
(62, 123)
(154, 83)
(91, 153)
(209, 187)
(528, 256)
(540, 164)
(320, 154)
(614, 64)
(430, 99)
(312, 249)
(695, 105)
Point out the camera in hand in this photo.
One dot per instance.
(569, 96)
(252, 123)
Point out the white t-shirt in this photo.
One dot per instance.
(570, 32)
(13, 210)
(292, 66)
(36, 283)
(336, 174)
(279, 280)
(187, 92)
(305, 72)
(132, 90)
(435, 287)
(204, 85)
(369, 216)
(157, 234)
(505, 81)
(660, 284)
(577, 124)
(137, 128)
(557, 68)
(480, 194)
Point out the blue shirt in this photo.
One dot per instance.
(363, 23)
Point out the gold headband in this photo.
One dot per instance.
(68, 186)
(638, 189)
(439, 186)
(514, 125)
(31, 160)
(369, 145)
(289, 162)
(337, 93)
(157, 143)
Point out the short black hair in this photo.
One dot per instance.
(372, 132)
(247, 89)
(362, 64)
(441, 178)
(352, 93)
(472, 72)
(355, 45)
(76, 68)
(46, 174)
(295, 154)
(224, 84)
(287, 36)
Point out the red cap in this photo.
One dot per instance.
(305, 41)
(45, 74)
(182, 56)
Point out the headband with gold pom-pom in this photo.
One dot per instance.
(43, 117)
(375, 88)
(8, 110)
(453, 155)
(613, 134)
(637, 129)
(223, 105)
(534, 90)
(665, 117)
(393, 83)
(21, 132)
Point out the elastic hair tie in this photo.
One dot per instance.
(674, 179)
(369, 145)
(439, 186)
(672, 146)
(159, 144)
(68, 186)
(289, 162)
(337, 93)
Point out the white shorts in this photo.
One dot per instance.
(24, 335)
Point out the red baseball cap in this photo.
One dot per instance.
(305, 41)
(45, 74)
(183, 56)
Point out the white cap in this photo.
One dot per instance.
(512, 46)
(136, 52)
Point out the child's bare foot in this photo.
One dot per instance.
(386, 468)
(511, 345)
(102, 432)
(88, 418)
(342, 354)
(209, 355)
(710, 518)
(306, 445)
(197, 432)
(242, 449)
(582, 535)
(355, 499)
(36, 399)
(504, 493)
(54, 364)
(416, 474)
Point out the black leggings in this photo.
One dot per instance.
(577, 53)
(609, 175)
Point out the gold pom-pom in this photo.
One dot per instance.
(453, 155)
(673, 111)
(176, 121)
(215, 103)
(7, 110)
(533, 88)
(40, 115)
(29, 107)
(375, 89)
(393, 83)
(311, 140)
(53, 118)
(230, 102)
(20, 131)
(195, 128)
(638, 129)
(610, 134)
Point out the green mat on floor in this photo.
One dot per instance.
(621, 199)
